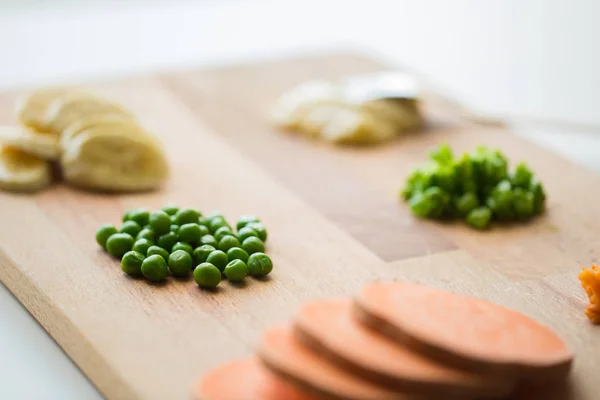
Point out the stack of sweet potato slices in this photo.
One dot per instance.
(396, 340)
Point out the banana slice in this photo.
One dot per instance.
(104, 159)
(119, 122)
(42, 145)
(65, 111)
(291, 108)
(357, 127)
(21, 172)
(32, 108)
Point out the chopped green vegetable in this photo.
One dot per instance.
(207, 275)
(479, 218)
(523, 203)
(466, 203)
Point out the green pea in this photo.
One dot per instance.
(203, 230)
(216, 223)
(190, 233)
(131, 227)
(218, 259)
(180, 263)
(236, 271)
(228, 242)
(214, 214)
(170, 208)
(142, 245)
(174, 228)
(245, 233)
(183, 246)
(236, 253)
(244, 220)
(127, 215)
(119, 244)
(210, 240)
(159, 251)
(141, 216)
(466, 203)
(222, 232)
(260, 229)
(167, 241)
(187, 216)
(146, 233)
(253, 245)
(160, 222)
(202, 221)
(131, 263)
(154, 268)
(103, 233)
(523, 203)
(259, 264)
(207, 275)
(201, 253)
(479, 218)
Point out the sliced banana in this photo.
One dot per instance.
(42, 145)
(291, 108)
(122, 123)
(356, 127)
(65, 111)
(104, 159)
(32, 108)
(21, 172)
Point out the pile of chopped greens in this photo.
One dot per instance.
(477, 187)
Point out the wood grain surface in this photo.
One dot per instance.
(334, 220)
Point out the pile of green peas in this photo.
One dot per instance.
(181, 241)
(477, 187)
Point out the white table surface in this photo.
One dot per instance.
(531, 58)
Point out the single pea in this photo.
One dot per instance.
(218, 259)
(187, 216)
(159, 251)
(160, 222)
(236, 253)
(201, 253)
(260, 229)
(245, 233)
(244, 220)
(216, 223)
(170, 208)
(146, 233)
(210, 240)
(103, 233)
(167, 241)
(236, 270)
(203, 230)
(222, 232)
(174, 228)
(142, 245)
(202, 221)
(141, 216)
(259, 264)
(180, 263)
(214, 214)
(228, 242)
(207, 275)
(154, 268)
(190, 233)
(253, 245)
(183, 246)
(119, 244)
(131, 263)
(131, 227)
(479, 218)
(127, 215)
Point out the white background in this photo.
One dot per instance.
(529, 58)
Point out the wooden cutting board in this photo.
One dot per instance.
(334, 219)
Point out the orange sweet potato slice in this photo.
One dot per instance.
(291, 361)
(245, 379)
(328, 328)
(463, 331)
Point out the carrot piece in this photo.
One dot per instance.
(463, 331)
(328, 328)
(290, 360)
(590, 282)
(245, 379)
